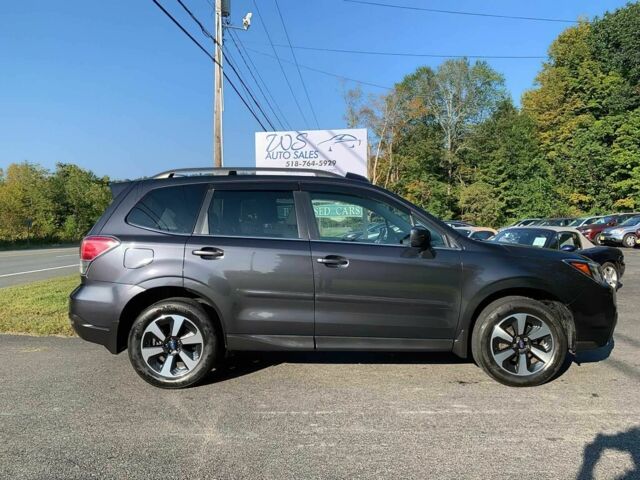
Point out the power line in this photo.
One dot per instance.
(212, 59)
(266, 30)
(230, 63)
(409, 54)
(458, 12)
(209, 35)
(295, 59)
(324, 72)
(250, 66)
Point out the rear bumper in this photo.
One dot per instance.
(595, 316)
(95, 308)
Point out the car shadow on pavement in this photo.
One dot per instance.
(244, 363)
(628, 441)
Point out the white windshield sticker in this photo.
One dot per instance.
(539, 241)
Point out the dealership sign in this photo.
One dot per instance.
(338, 151)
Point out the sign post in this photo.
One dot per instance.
(338, 151)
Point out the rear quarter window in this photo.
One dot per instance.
(169, 209)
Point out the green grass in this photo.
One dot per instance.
(39, 308)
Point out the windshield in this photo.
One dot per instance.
(525, 236)
(631, 221)
(580, 221)
(602, 220)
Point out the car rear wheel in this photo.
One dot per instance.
(610, 274)
(629, 240)
(173, 344)
(598, 239)
(519, 342)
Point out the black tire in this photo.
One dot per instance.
(501, 311)
(597, 240)
(629, 240)
(194, 313)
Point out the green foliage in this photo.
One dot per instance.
(450, 141)
(61, 206)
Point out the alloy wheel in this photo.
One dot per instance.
(610, 275)
(171, 346)
(630, 241)
(522, 344)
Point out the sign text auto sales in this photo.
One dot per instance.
(285, 147)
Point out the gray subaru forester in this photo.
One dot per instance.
(192, 264)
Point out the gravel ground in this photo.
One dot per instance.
(69, 409)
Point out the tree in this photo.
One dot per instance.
(25, 203)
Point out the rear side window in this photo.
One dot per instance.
(253, 213)
(169, 209)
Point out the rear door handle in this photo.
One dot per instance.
(209, 253)
(334, 261)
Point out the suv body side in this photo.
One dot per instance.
(276, 294)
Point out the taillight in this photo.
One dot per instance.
(94, 246)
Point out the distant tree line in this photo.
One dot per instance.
(452, 141)
(45, 206)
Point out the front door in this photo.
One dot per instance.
(373, 289)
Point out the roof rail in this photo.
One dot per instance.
(186, 172)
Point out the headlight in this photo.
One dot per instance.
(590, 269)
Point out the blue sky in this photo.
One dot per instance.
(115, 87)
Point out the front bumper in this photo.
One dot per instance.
(595, 316)
(609, 238)
(95, 308)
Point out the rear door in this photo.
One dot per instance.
(372, 289)
(250, 255)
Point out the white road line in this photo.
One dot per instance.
(70, 255)
(40, 270)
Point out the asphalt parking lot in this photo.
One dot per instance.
(69, 409)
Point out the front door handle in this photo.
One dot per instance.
(209, 253)
(334, 261)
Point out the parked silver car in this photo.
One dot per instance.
(623, 234)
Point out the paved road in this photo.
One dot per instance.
(69, 409)
(24, 266)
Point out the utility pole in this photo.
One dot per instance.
(222, 12)
(218, 104)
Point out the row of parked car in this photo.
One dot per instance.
(613, 229)
(556, 237)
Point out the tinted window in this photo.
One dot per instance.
(169, 209)
(350, 218)
(525, 236)
(253, 214)
(483, 235)
(568, 239)
(631, 221)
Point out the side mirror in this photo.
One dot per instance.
(569, 248)
(420, 238)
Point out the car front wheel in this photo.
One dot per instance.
(519, 341)
(173, 344)
(610, 274)
(629, 240)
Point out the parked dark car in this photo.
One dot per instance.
(569, 240)
(555, 222)
(527, 221)
(189, 264)
(593, 231)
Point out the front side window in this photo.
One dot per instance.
(349, 218)
(568, 239)
(253, 213)
(169, 209)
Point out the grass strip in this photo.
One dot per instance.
(38, 308)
